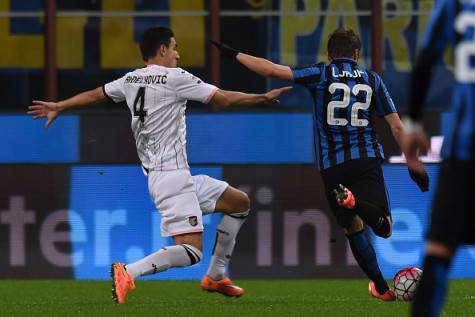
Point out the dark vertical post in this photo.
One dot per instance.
(50, 66)
(214, 57)
(377, 36)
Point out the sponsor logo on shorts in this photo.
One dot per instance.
(193, 220)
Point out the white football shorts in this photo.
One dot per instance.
(182, 199)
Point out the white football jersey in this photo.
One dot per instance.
(156, 97)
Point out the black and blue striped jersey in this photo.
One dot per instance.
(345, 96)
(452, 23)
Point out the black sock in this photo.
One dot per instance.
(430, 293)
(373, 216)
(366, 257)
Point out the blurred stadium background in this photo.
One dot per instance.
(73, 198)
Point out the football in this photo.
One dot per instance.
(405, 283)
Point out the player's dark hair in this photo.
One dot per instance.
(152, 39)
(343, 43)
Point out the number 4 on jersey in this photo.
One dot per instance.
(140, 98)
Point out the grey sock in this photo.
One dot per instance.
(172, 256)
(226, 233)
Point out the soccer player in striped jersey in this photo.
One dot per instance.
(453, 218)
(347, 150)
(156, 96)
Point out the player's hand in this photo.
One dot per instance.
(225, 50)
(271, 96)
(421, 178)
(413, 144)
(43, 109)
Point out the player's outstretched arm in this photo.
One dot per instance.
(397, 127)
(224, 98)
(416, 168)
(50, 110)
(415, 140)
(259, 65)
(265, 67)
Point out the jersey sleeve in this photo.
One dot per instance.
(307, 75)
(438, 33)
(383, 101)
(439, 30)
(189, 87)
(114, 90)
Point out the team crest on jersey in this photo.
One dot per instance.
(193, 220)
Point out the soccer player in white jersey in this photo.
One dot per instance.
(156, 96)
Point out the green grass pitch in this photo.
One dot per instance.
(185, 298)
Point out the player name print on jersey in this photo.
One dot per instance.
(355, 73)
(150, 79)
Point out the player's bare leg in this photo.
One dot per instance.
(235, 205)
(193, 239)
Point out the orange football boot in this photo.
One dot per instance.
(122, 282)
(344, 197)
(224, 286)
(387, 297)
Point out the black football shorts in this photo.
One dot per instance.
(453, 216)
(364, 177)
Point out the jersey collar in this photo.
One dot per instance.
(343, 59)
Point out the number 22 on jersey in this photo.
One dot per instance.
(345, 102)
(465, 50)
